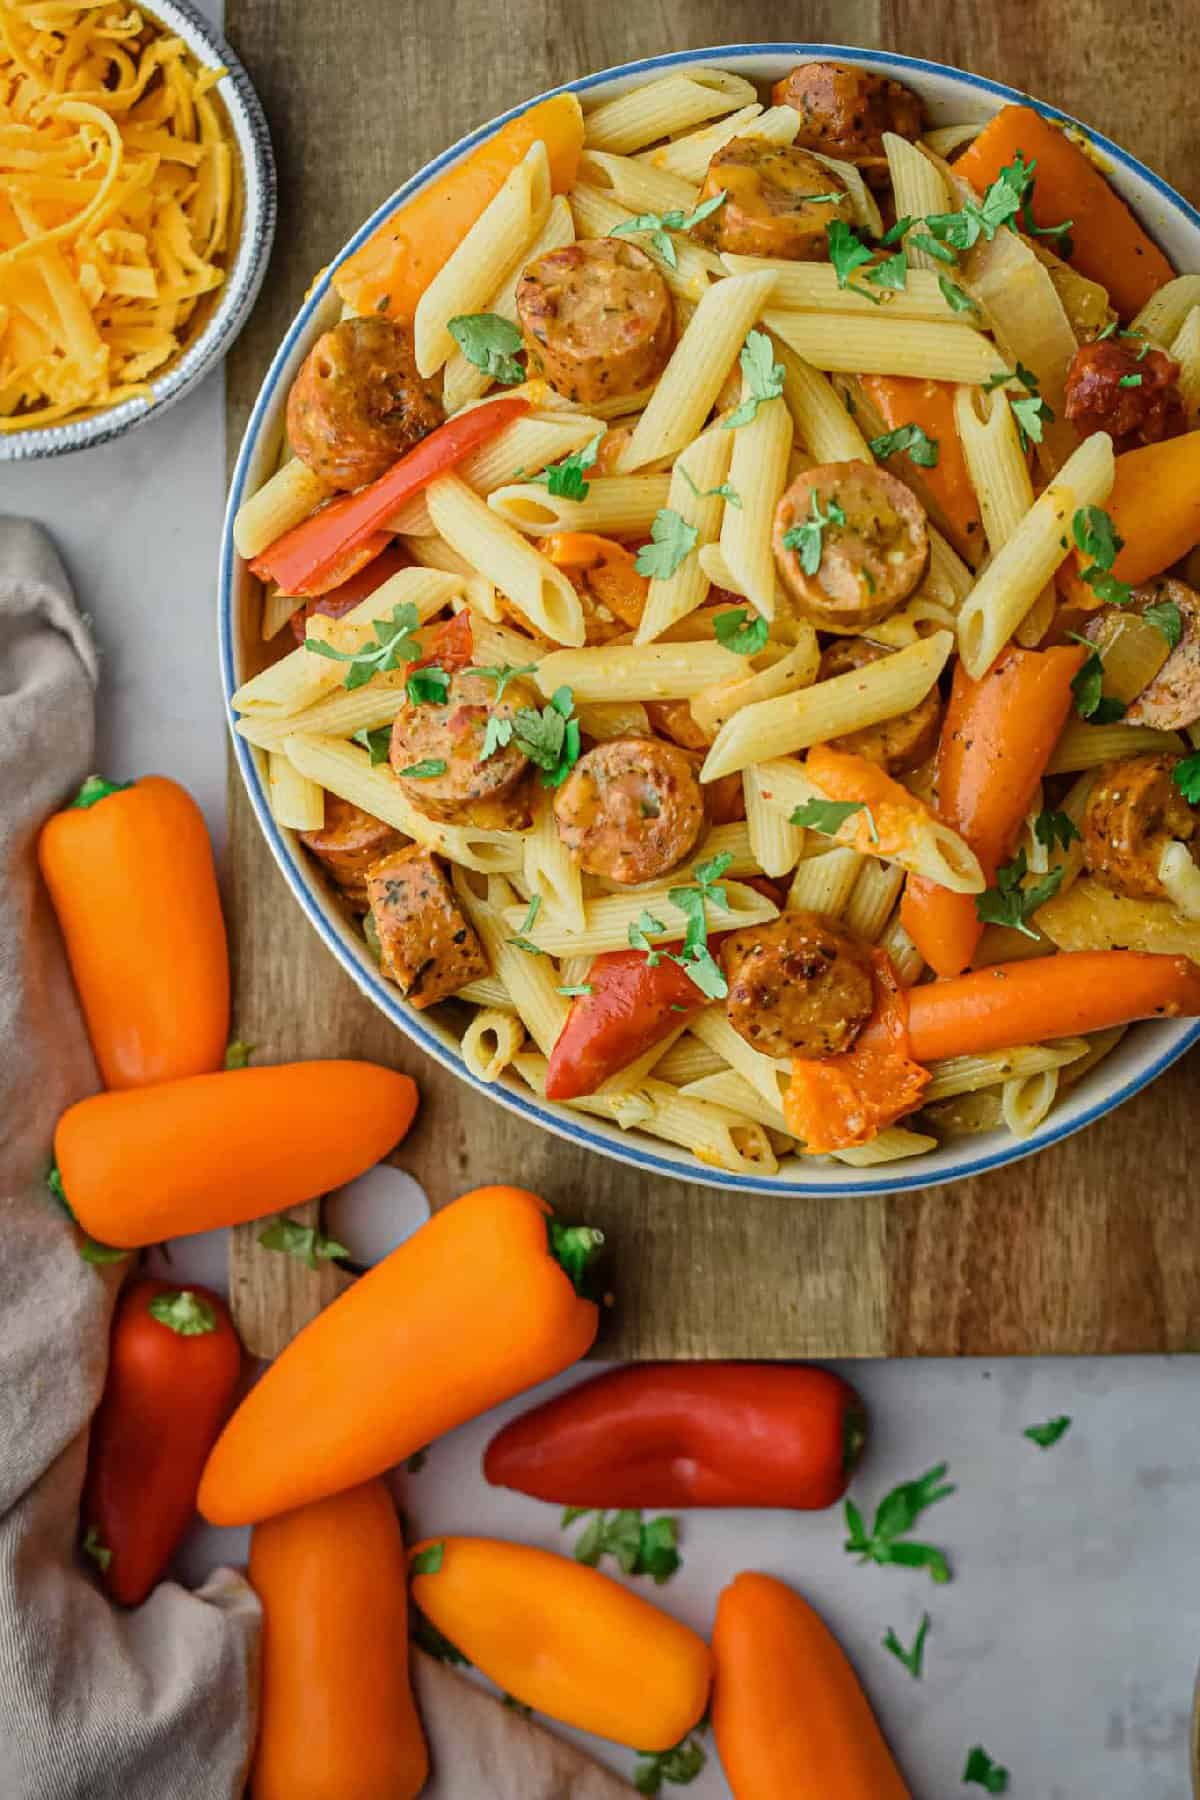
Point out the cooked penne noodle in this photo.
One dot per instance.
(496, 644)
(767, 1075)
(824, 883)
(700, 362)
(875, 894)
(814, 287)
(339, 714)
(906, 959)
(774, 840)
(597, 214)
(296, 802)
(823, 426)
(863, 205)
(345, 770)
(918, 190)
(490, 1042)
(1180, 879)
(891, 1145)
(1026, 1099)
(688, 1060)
(688, 157)
(828, 709)
(1165, 311)
(1087, 746)
(613, 719)
(636, 184)
(281, 503)
(524, 447)
(917, 618)
(947, 579)
(725, 1087)
(719, 574)
(967, 1074)
(732, 840)
(699, 471)
(434, 552)
(529, 579)
(302, 677)
(1020, 569)
(995, 461)
(609, 917)
(1091, 917)
(631, 1077)
(638, 671)
(478, 264)
(615, 506)
(944, 140)
(462, 381)
(529, 980)
(663, 108)
(277, 610)
(1099, 1045)
(551, 872)
(886, 346)
(1185, 348)
(757, 474)
(486, 991)
(713, 706)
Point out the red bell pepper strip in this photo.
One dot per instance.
(849, 1099)
(303, 559)
(632, 1005)
(687, 1434)
(336, 601)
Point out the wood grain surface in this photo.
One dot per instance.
(1090, 1247)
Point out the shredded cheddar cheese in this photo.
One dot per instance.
(116, 191)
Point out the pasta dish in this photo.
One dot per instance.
(728, 590)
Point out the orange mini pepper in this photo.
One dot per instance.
(130, 872)
(338, 1720)
(565, 1639)
(473, 1309)
(790, 1719)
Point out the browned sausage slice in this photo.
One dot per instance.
(358, 404)
(1134, 810)
(437, 752)
(597, 319)
(348, 843)
(1127, 389)
(426, 946)
(1172, 699)
(798, 986)
(844, 112)
(897, 745)
(769, 208)
(873, 548)
(631, 809)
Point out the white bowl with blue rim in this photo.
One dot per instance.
(950, 97)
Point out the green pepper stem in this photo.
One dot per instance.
(575, 1248)
(97, 788)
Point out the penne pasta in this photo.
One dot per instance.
(278, 609)
(687, 157)
(944, 140)
(725, 1087)
(720, 575)
(767, 1075)
(1185, 348)
(617, 672)
(463, 381)
(906, 959)
(1164, 313)
(891, 1145)
(1090, 916)
(296, 802)
(825, 882)
(636, 184)
(434, 552)
(663, 108)
(967, 1074)
(875, 894)
(339, 714)
(918, 190)
(615, 506)
(524, 447)
(688, 1060)
(551, 872)
(887, 346)
(758, 473)
(1026, 1099)
(280, 503)
(823, 425)
(487, 990)
(713, 706)
(609, 917)
(543, 593)
(828, 709)
(995, 461)
(1084, 746)
(490, 1042)
(529, 981)
(775, 842)
(700, 470)
(814, 287)
(631, 1077)
(597, 214)
(608, 719)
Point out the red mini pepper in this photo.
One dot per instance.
(174, 1365)
(320, 552)
(688, 1434)
(632, 1005)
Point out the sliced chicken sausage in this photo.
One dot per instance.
(770, 206)
(844, 112)
(851, 544)
(1134, 810)
(631, 809)
(798, 986)
(597, 319)
(438, 753)
(348, 843)
(358, 404)
(899, 744)
(426, 946)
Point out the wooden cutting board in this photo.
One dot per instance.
(1091, 1247)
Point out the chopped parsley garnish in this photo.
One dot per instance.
(427, 770)
(679, 1766)
(1032, 414)
(1134, 380)
(891, 273)
(639, 939)
(762, 375)
(522, 941)
(1169, 620)
(660, 226)
(1047, 1435)
(895, 1516)
(696, 959)
(427, 686)
(914, 1659)
(955, 297)
(847, 251)
(1097, 536)
(806, 538)
(1009, 903)
(565, 479)
(1086, 685)
(549, 738)
(921, 240)
(672, 538)
(1006, 199)
(895, 232)
(1050, 828)
(638, 1548)
(571, 993)
(726, 491)
(305, 1242)
(490, 342)
(428, 1562)
(376, 743)
(238, 1054)
(1186, 776)
(829, 199)
(828, 816)
(983, 1772)
(502, 675)
(394, 645)
(915, 443)
(732, 631)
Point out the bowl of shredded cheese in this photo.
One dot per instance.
(137, 209)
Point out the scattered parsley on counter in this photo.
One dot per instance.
(1047, 1435)
(679, 1766)
(984, 1773)
(491, 342)
(638, 1547)
(895, 1516)
(305, 1242)
(914, 1659)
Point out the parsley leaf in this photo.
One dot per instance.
(502, 675)
(955, 297)
(891, 273)
(1051, 827)
(806, 538)
(490, 342)
(549, 738)
(828, 816)
(1097, 536)
(1131, 381)
(1106, 587)
(639, 1548)
(427, 686)
(731, 630)
(763, 376)
(429, 1561)
(376, 743)
(1186, 776)
(639, 938)
(1047, 1435)
(428, 770)
(895, 232)
(916, 444)
(922, 241)
(571, 993)
(1086, 686)
(565, 479)
(99, 1553)
(394, 644)
(1032, 415)
(1009, 903)
(726, 491)
(671, 540)
(305, 1242)
(695, 958)
(983, 1772)
(680, 1766)
(914, 1659)
(847, 251)
(1167, 616)
(895, 1516)
(660, 225)
(522, 941)
(238, 1054)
